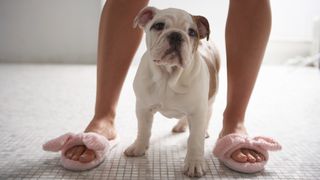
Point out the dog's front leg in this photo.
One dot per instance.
(194, 162)
(140, 145)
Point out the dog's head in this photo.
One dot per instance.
(172, 35)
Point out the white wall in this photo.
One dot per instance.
(291, 33)
(48, 30)
(66, 30)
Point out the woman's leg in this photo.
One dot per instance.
(247, 33)
(118, 42)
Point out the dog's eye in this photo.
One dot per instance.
(158, 26)
(192, 32)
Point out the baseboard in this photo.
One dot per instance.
(280, 51)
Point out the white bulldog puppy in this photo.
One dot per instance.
(178, 77)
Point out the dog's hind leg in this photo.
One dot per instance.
(181, 126)
(208, 121)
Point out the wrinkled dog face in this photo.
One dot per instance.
(172, 35)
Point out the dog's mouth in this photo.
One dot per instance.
(156, 61)
(169, 57)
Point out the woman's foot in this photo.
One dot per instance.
(81, 153)
(241, 155)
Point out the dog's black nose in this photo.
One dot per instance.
(175, 39)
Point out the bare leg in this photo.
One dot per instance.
(118, 42)
(247, 32)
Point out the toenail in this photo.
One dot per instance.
(69, 155)
(240, 156)
(84, 155)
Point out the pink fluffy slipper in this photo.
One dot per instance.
(228, 144)
(96, 142)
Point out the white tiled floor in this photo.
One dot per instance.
(39, 102)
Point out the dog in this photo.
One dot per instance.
(178, 77)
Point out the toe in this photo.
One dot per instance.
(87, 156)
(78, 152)
(69, 153)
(249, 155)
(261, 156)
(191, 170)
(256, 155)
(239, 156)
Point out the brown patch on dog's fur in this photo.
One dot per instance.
(196, 41)
(212, 59)
(200, 20)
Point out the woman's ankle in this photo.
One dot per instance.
(106, 117)
(233, 124)
(102, 125)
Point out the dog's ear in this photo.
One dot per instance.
(144, 16)
(203, 26)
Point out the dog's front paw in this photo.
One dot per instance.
(135, 150)
(195, 167)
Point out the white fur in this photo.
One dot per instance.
(174, 91)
